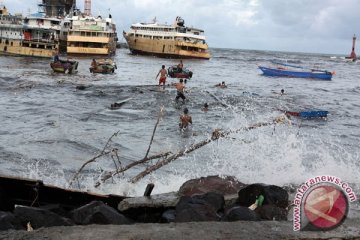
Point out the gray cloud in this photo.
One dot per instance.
(324, 26)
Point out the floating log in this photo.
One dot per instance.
(217, 133)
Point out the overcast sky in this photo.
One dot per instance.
(314, 26)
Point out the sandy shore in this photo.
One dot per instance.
(197, 230)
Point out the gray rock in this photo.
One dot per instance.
(39, 217)
(197, 208)
(9, 221)
(240, 213)
(223, 185)
(97, 212)
(166, 200)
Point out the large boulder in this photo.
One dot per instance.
(40, 217)
(97, 212)
(205, 207)
(6, 203)
(223, 185)
(272, 195)
(240, 213)
(168, 216)
(9, 221)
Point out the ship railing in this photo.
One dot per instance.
(197, 44)
(42, 40)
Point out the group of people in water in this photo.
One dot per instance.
(185, 118)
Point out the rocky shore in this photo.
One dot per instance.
(208, 208)
(194, 230)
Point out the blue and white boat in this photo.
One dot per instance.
(292, 71)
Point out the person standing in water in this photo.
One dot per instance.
(180, 87)
(205, 107)
(162, 73)
(180, 66)
(185, 119)
(221, 85)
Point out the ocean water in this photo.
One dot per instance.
(50, 128)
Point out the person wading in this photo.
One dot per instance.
(185, 119)
(162, 74)
(180, 87)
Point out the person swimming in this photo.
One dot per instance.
(205, 107)
(221, 85)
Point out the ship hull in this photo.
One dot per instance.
(166, 48)
(18, 50)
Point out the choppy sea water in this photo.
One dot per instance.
(50, 128)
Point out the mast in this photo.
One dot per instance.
(353, 54)
(87, 7)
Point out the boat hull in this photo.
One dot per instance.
(64, 66)
(105, 69)
(308, 114)
(103, 66)
(18, 50)
(165, 48)
(274, 72)
(174, 72)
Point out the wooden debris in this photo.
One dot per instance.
(148, 190)
(102, 153)
(217, 133)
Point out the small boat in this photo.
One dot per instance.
(175, 72)
(63, 66)
(286, 70)
(104, 66)
(307, 114)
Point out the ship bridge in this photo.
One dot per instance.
(57, 8)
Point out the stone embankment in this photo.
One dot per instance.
(206, 208)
